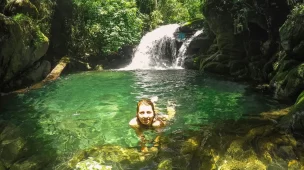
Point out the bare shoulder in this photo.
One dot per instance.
(133, 123)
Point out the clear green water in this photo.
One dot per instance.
(82, 110)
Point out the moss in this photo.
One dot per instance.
(24, 22)
(39, 38)
(299, 105)
(165, 165)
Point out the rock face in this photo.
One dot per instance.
(23, 45)
(258, 40)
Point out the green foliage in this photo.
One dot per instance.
(156, 19)
(161, 12)
(298, 11)
(173, 11)
(178, 11)
(146, 6)
(45, 10)
(102, 27)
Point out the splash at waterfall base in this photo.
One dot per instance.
(156, 50)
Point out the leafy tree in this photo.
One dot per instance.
(169, 11)
(102, 27)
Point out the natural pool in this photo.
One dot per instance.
(89, 109)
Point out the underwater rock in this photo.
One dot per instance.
(91, 164)
(115, 156)
(165, 165)
(2, 167)
(286, 152)
(12, 150)
(277, 166)
(33, 163)
(189, 146)
(250, 164)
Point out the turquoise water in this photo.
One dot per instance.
(82, 110)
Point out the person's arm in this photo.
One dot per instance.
(134, 125)
(170, 111)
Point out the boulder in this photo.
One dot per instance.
(21, 6)
(292, 32)
(23, 45)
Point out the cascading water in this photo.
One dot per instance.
(156, 50)
(182, 52)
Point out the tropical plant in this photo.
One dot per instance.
(102, 27)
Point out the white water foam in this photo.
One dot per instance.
(153, 48)
(178, 63)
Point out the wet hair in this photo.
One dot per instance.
(146, 102)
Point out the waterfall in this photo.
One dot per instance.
(156, 50)
(182, 52)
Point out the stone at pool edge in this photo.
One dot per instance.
(103, 155)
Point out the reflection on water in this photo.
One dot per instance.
(84, 110)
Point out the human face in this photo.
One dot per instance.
(145, 114)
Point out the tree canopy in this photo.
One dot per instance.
(102, 27)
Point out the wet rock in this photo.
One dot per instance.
(289, 83)
(20, 6)
(294, 165)
(286, 152)
(192, 26)
(216, 67)
(12, 150)
(91, 164)
(299, 49)
(277, 166)
(21, 49)
(2, 167)
(114, 156)
(9, 132)
(165, 165)
(37, 73)
(275, 114)
(192, 62)
(33, 163)
(251, 164)
(292, 32)
(238, 68)
(190, 145)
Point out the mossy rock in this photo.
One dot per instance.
(289, 83)
(292, 32)
(114, 156)
(21, 6)
(165, 165)
(12, 150)
(33, 163)
(299, 105)
(238, 68)
(24, 45)
(192, 25)
(216, 67)
(190, 145)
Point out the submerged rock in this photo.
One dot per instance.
(111, 157)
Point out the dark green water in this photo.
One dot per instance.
(82, 110)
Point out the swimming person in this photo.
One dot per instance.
(147, 119)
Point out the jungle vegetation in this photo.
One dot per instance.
(101, 28)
